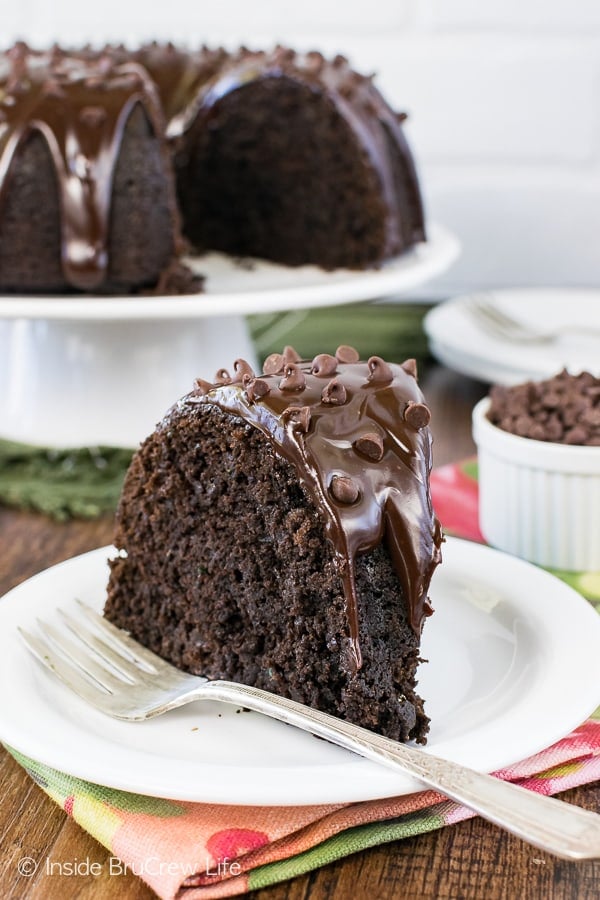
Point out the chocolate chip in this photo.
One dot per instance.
(324, 365)
(339, 61)
(347, 354)
(299, 415)
(417, 415)
(334, 393)
(522, 425)
(576, 435)
(241, 368)
(274, 364)
(222, 377)
(410, 367)
(344, 489)
(537, 432)
(591, 417)
(369, 445)
(380, 370)
(551, 400)
(202, 387)
(290, 355)
(255, 388)
(293, 378)
(314, 62)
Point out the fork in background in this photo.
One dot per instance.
(499, 324)
(118, 676)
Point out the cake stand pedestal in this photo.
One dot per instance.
(80, 383)
(86, 371)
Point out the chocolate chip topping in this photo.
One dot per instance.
(324, 365)
(300, 416)
(379, 370)
(290, 355)
(222, 377)
(410, 366)
(293, 378)
(255, 388)
(344, 489)
(334, 393)
(274, 364)
(417, 415)
(241, 368)
(362, 503)
(202, 387)
(369, 445)
(564, 409)
(346, 354)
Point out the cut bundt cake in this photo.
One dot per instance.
(278, 531)
(87, 200)
(277, 155)
(292, 158)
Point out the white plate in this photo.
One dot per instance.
(514, 666)
(458, 341)
(232, 288)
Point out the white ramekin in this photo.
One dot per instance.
(538, 500)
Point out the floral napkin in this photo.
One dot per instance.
(197, 850)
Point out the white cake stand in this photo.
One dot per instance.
(82, 371)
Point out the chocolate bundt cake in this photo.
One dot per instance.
(87, 199)
(278, 531)
(289, 157)
(278, 155)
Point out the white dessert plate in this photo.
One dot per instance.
(460, 342)
(252, 286)
(514, 666)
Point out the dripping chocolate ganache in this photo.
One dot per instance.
(277, 530)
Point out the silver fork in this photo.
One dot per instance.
(483, 309)
(118, 676)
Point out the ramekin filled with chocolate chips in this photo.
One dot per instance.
(538, 445)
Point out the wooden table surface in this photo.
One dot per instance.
(469, 861)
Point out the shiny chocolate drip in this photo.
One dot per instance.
(359, 440)
(80, 106)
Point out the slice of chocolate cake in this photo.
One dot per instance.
(278, 531)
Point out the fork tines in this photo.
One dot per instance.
(97, 660)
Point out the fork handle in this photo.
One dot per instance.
(552, 825)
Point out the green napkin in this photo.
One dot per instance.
(81, 483)
(391, 330)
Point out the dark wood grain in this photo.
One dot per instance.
(470, 861)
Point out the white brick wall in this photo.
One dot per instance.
(516, 15)
(503, 96)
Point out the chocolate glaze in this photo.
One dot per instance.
(363, 502)
(80, 106)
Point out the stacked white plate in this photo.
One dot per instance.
(460, 341)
